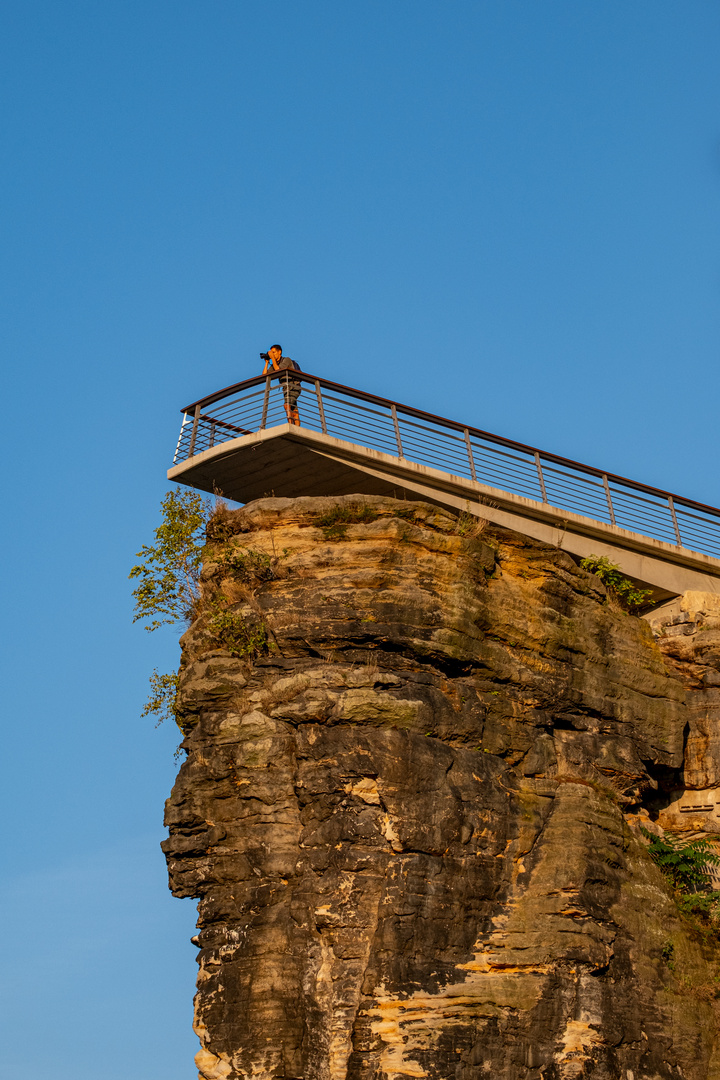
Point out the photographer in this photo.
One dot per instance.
(291, 387)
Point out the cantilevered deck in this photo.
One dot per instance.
(238, 441)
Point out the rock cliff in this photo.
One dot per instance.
(410, 810)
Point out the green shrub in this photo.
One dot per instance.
(704, 906)
(609, 573)
(231, 631)
(249, 565)
(334, 522)
(688, 866)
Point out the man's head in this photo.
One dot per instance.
(275, 352)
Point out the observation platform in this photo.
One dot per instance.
(238, 441)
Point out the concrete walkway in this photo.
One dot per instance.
(287, 461)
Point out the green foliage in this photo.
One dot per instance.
(703, 906)
(163, 700)
(169, 570)
(667, 952)
(237, 635)
(335, 521)
(249, 565)
(687, 866)
(609, 573)
(169, 587)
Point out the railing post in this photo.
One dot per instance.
(393, 410)
(541, 478)
(212, 434)
(470, 455)
(265, 403)
(320, 407)
(193, 437)
(671, 504)
(609, 500)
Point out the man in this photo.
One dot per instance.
(291, 387)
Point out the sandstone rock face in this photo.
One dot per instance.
(412, 823)
(688, 633)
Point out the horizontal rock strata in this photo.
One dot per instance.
(410, 810)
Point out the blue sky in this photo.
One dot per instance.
(504, 212)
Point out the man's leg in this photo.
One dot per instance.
(289, 405)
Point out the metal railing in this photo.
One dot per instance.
(464, 451)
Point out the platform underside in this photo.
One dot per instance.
(283, 467)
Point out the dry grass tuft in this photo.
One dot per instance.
(470, 525)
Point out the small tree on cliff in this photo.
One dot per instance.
(169, 572)
(169, 583)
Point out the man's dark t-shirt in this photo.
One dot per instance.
(291, 386)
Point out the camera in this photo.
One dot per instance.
(264, 356)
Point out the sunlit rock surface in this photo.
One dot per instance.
(413, 827)
(688, 632)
